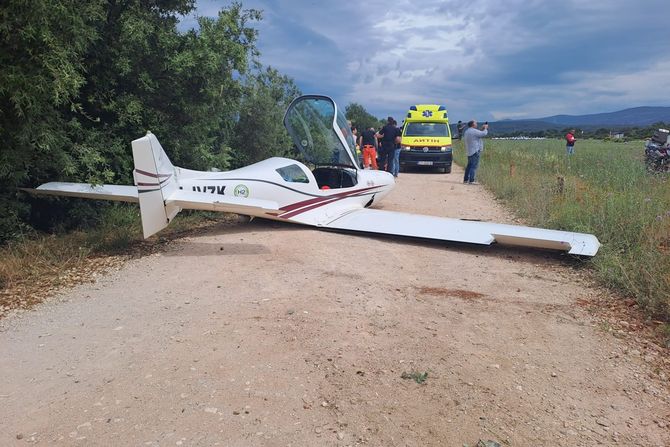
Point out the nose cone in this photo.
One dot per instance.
(387, 178)
(377, 178)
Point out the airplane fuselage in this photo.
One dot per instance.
(299, 194)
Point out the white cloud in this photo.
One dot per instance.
(586, 92)
(483, 58)
(649, 84)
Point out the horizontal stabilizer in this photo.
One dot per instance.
(120, 193)
(231, 204)
(456, 230)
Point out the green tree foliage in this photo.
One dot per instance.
(360, 117)
(81, 79)
(42, 49)
(259, 132)
(145, 75)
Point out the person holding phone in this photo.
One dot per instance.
(474, 145)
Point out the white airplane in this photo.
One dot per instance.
(336, 194)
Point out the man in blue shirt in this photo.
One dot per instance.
(474, 145)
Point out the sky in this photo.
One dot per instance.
(482, 59)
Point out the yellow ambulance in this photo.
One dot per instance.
(426, 138)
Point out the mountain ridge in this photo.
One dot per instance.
(634, 116)
(641, 116)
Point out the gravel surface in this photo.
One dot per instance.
(266, 334)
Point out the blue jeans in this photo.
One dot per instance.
(396, 163)
(570, 149)
(471, 168)
(386, 159)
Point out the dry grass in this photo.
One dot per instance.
(35, 267)
(603, 189)
(48, 256)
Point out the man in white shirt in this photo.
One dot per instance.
(474, 145)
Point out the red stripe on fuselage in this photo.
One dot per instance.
(311, 207)
(160, 183)
(149, 174)
(322, 198)
(324, 201)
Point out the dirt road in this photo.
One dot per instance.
(264, 334)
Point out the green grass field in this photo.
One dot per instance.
(602, 189)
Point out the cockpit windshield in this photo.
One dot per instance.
(320, 132)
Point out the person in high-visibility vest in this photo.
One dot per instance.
(369, 143)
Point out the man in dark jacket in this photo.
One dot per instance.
(387, 137)
(460, 129)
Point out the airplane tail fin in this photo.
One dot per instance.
(156, 179)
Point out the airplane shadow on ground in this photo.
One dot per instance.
(246, 245)
(194, 248)
(521, 254)
(246, 226)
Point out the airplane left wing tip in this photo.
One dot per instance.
(122, 193)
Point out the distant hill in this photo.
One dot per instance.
(636, 116)
(633, 117)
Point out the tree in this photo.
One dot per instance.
(259, 132)
(357, 114)
(145, 75)
(80, 79)
(601, 133)
(42, 48)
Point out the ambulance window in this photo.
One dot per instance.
(293, 173)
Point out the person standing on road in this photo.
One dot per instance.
(387, 136)
(570, 142)
(460, 128)
(395, 170)
(474, 145)
(355, 137)
(369, 145)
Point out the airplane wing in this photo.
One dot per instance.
(456, 230)
(179, 198)
(120, 193)
(206, 202)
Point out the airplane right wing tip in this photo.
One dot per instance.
(587, 246)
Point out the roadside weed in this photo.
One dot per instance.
(602, 189)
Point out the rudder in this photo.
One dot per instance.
(155, 178)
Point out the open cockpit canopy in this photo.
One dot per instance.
(321, 132)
